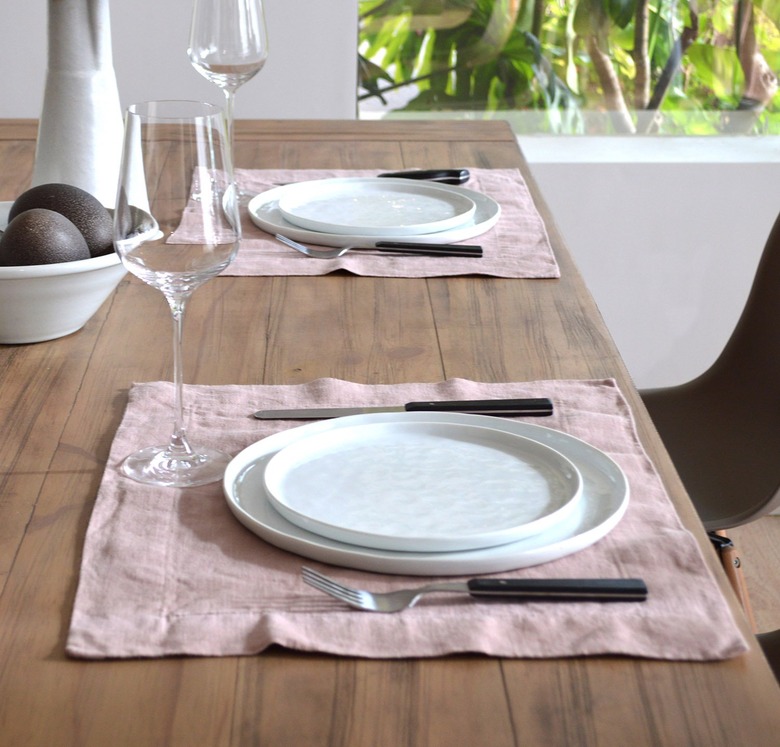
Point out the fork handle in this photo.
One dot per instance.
(432, 250)
(561, 589)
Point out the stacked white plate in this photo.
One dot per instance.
(353, 210)
(426, 493)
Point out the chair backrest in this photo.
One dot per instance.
(722, 429)
(748, 373)
(755, 341)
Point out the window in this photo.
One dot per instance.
(681, 67)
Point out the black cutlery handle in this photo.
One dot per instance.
(562, 589)
(434, 250)
(537, 406)
(445, 176)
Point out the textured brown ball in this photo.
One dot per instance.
(41, 237)
(83, 210)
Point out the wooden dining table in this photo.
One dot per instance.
(62, 401)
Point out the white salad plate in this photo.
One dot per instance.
(422, 487)
(604, 500)
(374, 207)
(265, 214)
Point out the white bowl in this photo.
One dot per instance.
(43, 302)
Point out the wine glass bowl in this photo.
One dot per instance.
(228, 45)
(176, 226)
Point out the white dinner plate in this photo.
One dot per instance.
(374, 207)
(605, 497)
(265, 214)
(423, 487)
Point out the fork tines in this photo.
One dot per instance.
(329, 586)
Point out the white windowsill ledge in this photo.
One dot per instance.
(656, 150)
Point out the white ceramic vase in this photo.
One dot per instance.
(80, 131)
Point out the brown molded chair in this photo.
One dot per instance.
(722, 430)
(770, 644)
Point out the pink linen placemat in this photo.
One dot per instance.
(168, 572)
(516, 247)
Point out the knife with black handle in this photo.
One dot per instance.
(444, 176)
(507, 408)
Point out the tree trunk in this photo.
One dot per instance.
(641, 59)
(760, 80)
(613, 94)
(497, 32)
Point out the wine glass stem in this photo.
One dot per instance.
(229, 100)
(178, 443)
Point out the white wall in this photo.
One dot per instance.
(150, 58)
(666, 232)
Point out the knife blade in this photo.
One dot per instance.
(445, 176)
(530, 407)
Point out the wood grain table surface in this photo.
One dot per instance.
(61, 402)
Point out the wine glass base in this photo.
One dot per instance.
(157, 465)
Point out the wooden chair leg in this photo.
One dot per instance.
(732, 564)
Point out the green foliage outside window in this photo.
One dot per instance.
(577, 66)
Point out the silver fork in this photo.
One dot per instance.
(555, 589)
(394, 247)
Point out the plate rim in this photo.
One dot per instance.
(405, 185)
(487, 214)
(513, 556)
(565, 504)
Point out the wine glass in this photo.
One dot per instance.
(228, 45)
(176, 226)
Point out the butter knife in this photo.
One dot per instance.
(444, 176)
(534, 407)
